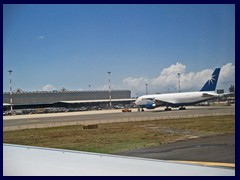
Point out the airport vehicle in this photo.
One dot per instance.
(181, 99)
(126, 110)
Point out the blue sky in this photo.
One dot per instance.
(73, 46)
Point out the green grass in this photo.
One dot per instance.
(118, 137)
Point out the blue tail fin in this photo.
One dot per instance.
(211, 84)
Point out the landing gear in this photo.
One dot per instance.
(182, 108)
(140, 109)
(167, 109)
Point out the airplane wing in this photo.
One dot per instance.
(36, 161)
(169, 102)
(163, 103)
(159, 102)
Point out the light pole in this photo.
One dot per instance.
(146, 88)
(110, 98)
(179, 82)
(11, 101)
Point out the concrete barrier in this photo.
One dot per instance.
(92, 126)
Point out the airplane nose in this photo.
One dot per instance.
(134, 103)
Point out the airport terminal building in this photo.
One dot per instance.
(62, 98)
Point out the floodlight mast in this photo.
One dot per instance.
(179, 82)
(146, 89)
(110, 91)
(11, 100)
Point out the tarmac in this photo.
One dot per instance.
(108, 116)
(219, 148)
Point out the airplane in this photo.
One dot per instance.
(20, 160)
(182, 99)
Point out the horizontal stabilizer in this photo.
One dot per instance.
(207, 95)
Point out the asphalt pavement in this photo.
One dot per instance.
(109, 116)
(219, 148)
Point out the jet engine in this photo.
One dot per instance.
(150, 105)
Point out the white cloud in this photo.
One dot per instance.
(167, 81)
(227, 75)
(48, 87)
(174, 69)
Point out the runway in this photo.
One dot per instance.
(108, 116)
(220, 148)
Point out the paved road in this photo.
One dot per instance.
(30, 121)
(220, 148)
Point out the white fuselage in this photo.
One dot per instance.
(176, 99)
